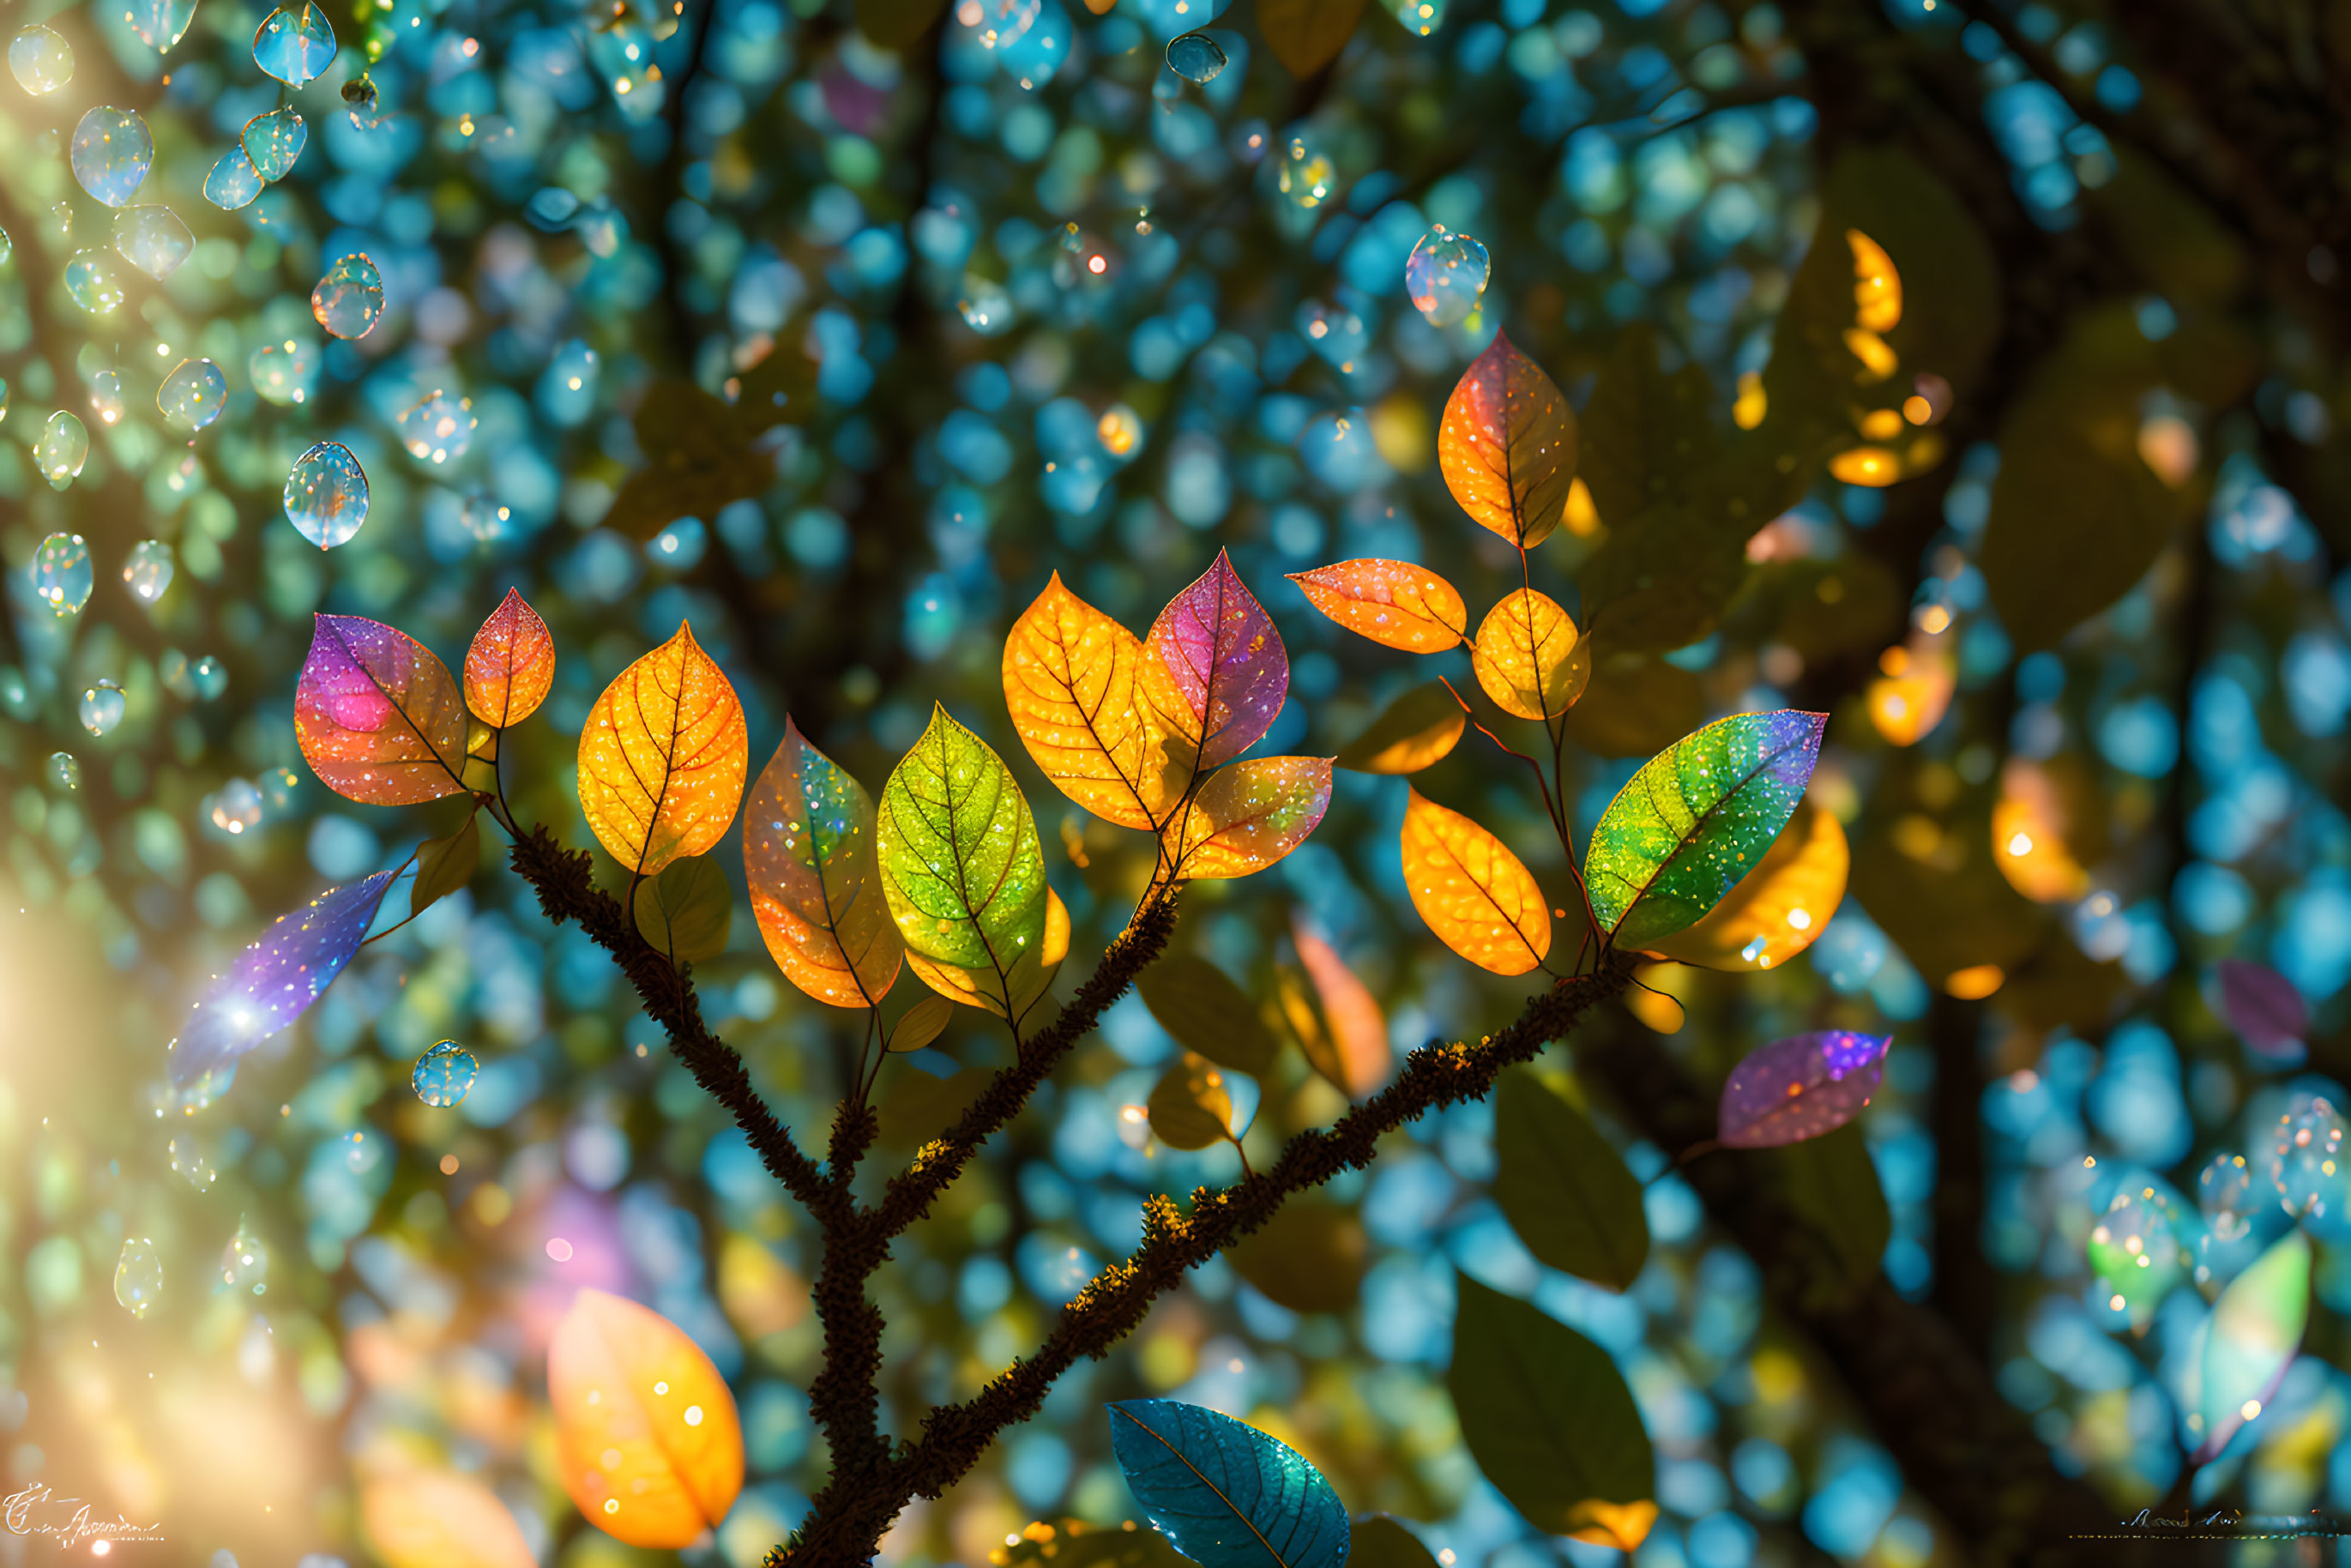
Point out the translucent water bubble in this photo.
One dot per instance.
(90, 280)
(101, 707)
(349, 296)
(65, 770)
(1197, 58)
(362, 1152)
(245, 1261)
(2307, 1164)
(190, 1164)
(285, 373)
(294, 43)
(359, 97)
(63, 448)
(192, 396)
(55, 227)
(234, 181)
(160, 24)
(106, 397)
(111, 153)
(985, 307)
(153, 239)
(2137, 1251)
(209, 678)
(147, 571)
(274, 141)
(1305, 174)
(41, 61)
(236, 810)
(327, 495)
(444, 1073)
(485, 519)
(137, 1277)
(438, 427)
(1445, 276)
(62, 576)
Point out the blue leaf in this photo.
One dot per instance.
(1223, 1492)
(279, 977)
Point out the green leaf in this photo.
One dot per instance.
(687, 910)
(921, 1023)
(2251, 1339)
(1831, 1183)
(1379, 1542)
(1307, 34)
(1196, 1002)
(1190, 1108)
(1227, 1494)
(1549, 1420)
(961, 867)
(1694, 819)
(445, 865)
(1413, 731)
(1563, 1189)
(1311, 1257)
(1646, 433)
(1635, 705)
(1662, 580)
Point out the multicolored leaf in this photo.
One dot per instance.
(1025, 984)
(809, 853)
(1563, 1188)
(1070, 680)
(1190, 1106)
(2251, 1339)
(377, 716)
(1420, 727)
(439, 1518)
(1474, 893)
(1507, 445)
(687, 910)
(1214, 669)
(1696, 820)
(647, 1438)
(1248, 816)
(1227, 1494)
(1358, 1028)
(273, 981)
(510, 667)
(1800, 1087)
(1777, 909)
(1529, 657)
(1199, 1005)
(1395, 603)
(2264, 1008)
(663, 756)
(445, 866)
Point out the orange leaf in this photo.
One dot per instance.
(1248, 815)
(510, 665)
(663, 756)
(437, 1518)
(1508, 445)
(377, 716)
(1529, 657)
(816, 885)
(1070, 680)
(1777, 909)
(646, 1433)
(1623, 1525)
(1474, 893)
(1359, 1031)
(1391, 602)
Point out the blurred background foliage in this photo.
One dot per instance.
(2077, 613)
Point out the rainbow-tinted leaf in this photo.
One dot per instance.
(663, 756)
(1199, 1005)
(1529, 657)
(1360, 1056)
(1781, 906)
(1474, 893)
(510, 667)
(2254, 1330)
(1071, 682)
(1248, 816)
(687, 910)
(1227, 1494)
(1419, 728)
(1190, 1107)
(1507, 445)
(377, 716)
(1800, 1087)
(272, 982)
(816, 881)
(1395, 602)
(445, 865)
(1214, 669)
(1696, 820)
(1563, 1189)
(2264, 1008)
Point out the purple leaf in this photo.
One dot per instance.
(275, 978)
(1800, 1087)
(1214, 667)
(2265, 1008)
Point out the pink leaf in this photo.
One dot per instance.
(1214, 666)
(1800, 1087)
(2265, 1008)
(379, 718)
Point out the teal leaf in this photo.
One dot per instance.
(2251, 1339)
(1223, 1492)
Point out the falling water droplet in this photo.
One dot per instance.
(327, 495)
(148, 572)
(62, 449)
(285, 373)
(274, 141)
(62, 576)
(236, 810)
(160, 24)
(987, 309)
(209, 676)
(234, 181)
(111, 153)
(90, 280)
(359, 95)
(190, 1164)
(294, 43)
(438, 428)
(1197, 58)
(41, 61)
(245, 1261)
(65, 770)
(101, 707)
(137, 1276)
(1445, 276)
(485, 519)
(349, 296)
(1306, 175)
(191, 395)
(444, 1073)
(153, 239)
(106, 397)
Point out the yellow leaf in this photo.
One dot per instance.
(1876, 287)
(1248, 815)
(437, 1518)
(1623, 1525)
(1069, 680)
(1474, 893)
(1359, 1030)
(1529, 657)
(1778, 908)
(1394, 602)
(1507, 445)
(921, 1023)
(1416, 730)
(647, 1438)
(663, 757)
(1190, 1106)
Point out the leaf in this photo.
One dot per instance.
(897, 24)
(2255, 1329)
(646, 1435)
(510, 667)
(1419, 728)
(1309, 1257)
(1800, 1087)
(1636, 704)
(1392, 602)
(1694, 819)
(699, 458)
(445, 866)
(1379, 1542)
(1831, 1183)
(1030, 977)
(1563, 1189)
(439, 1518)
(1780, 907)
(1070, 680)
(816, 881)
(921, 1023)
(917, 1106)
(1248, 816)
(1924, 872)
(1073, 1544)
(661, 758)
(1196, 1003)
(1663, 578)
(1214, 669)
(1307, 34)
(1190, 1107)
(378, 717)
(1646, 434)
(2264, 1006)
(1549, 1420)
(2047, 826)
(1359, 1030)
(1474, 893)
(1529, 657)
(961, 867)
(272, 982)
(1507, 445)
(1228, 1495)
(687, 910)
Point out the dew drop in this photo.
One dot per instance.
(439, 427)
(41, 61)
(245, 1261)
(62, 575)
(234, 181)
(90, 280)
(101, 707)
(1306, 176)
(65, 770)
(62, 449)
(327, 495)
(444, 1073)
(147, 571)
(160, 24)
(273, 141)
(111, 153)
(209, 678)
(1445, 276)
(236, 810)
(349, 296)
(106, 397)
(285, 373)
(153, 239)
(294, 43)
(137, 1276)
(987, 309)
(192, 396)
(1197, 58)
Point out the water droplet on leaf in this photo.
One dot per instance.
(444, 1073)
(349, 296)
(327, 495)
(111, 153)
